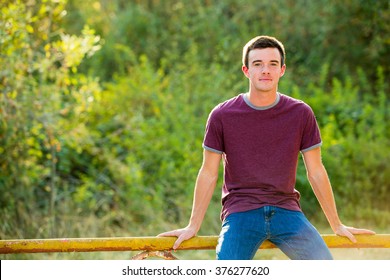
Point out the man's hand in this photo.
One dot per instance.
(181, 234)
(350, 231)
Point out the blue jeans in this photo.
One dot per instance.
(242, 233)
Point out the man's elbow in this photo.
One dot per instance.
(317, 175)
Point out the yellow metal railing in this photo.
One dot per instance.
(160, 246)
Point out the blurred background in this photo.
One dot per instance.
(103, 106)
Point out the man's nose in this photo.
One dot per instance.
(265, 69)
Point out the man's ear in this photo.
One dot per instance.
(282, 70)
(245, 70)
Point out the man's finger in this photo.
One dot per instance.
(351, 237)
(168, 234)
(361, 231)
(345, 232)
(180, 239)
(177, 243)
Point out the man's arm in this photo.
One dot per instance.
(320, 183)
(204, 188)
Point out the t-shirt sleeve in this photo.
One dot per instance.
(311, 137)
(213, 138)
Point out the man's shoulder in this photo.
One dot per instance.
(290, 99)
(295, 103)
(229, 104)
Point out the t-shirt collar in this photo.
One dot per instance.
(262, 108)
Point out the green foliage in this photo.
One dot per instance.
(106, 130)
(355, 132)
(42, 102)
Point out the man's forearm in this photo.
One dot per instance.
(204, 188)
(323, 191)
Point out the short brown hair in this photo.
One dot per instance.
(262, 42)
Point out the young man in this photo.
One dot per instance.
(259, 135)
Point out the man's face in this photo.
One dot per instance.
(264, 69)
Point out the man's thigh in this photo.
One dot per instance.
(297, 237)
(241, 235)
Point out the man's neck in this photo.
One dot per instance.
(261, 99)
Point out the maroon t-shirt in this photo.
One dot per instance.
(260, 147)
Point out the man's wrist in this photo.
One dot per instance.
(336, 225)
(195, 226)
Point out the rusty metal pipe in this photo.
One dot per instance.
(161, 244)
